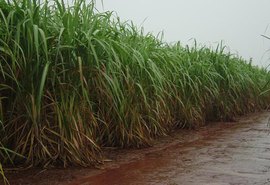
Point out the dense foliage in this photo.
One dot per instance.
(73, 80)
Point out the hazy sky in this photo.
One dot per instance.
(239, 23)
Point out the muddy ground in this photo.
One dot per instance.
(230, 153)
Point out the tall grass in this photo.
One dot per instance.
(74, 80)
(2, 176)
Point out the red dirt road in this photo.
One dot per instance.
(218, 154)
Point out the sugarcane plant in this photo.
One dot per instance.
(74, 80)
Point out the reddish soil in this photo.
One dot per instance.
(228, 153)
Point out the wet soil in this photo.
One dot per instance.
(231, 153)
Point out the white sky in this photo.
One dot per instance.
(238, 23)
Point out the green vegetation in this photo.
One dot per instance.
(2, 175)
(73, 80)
